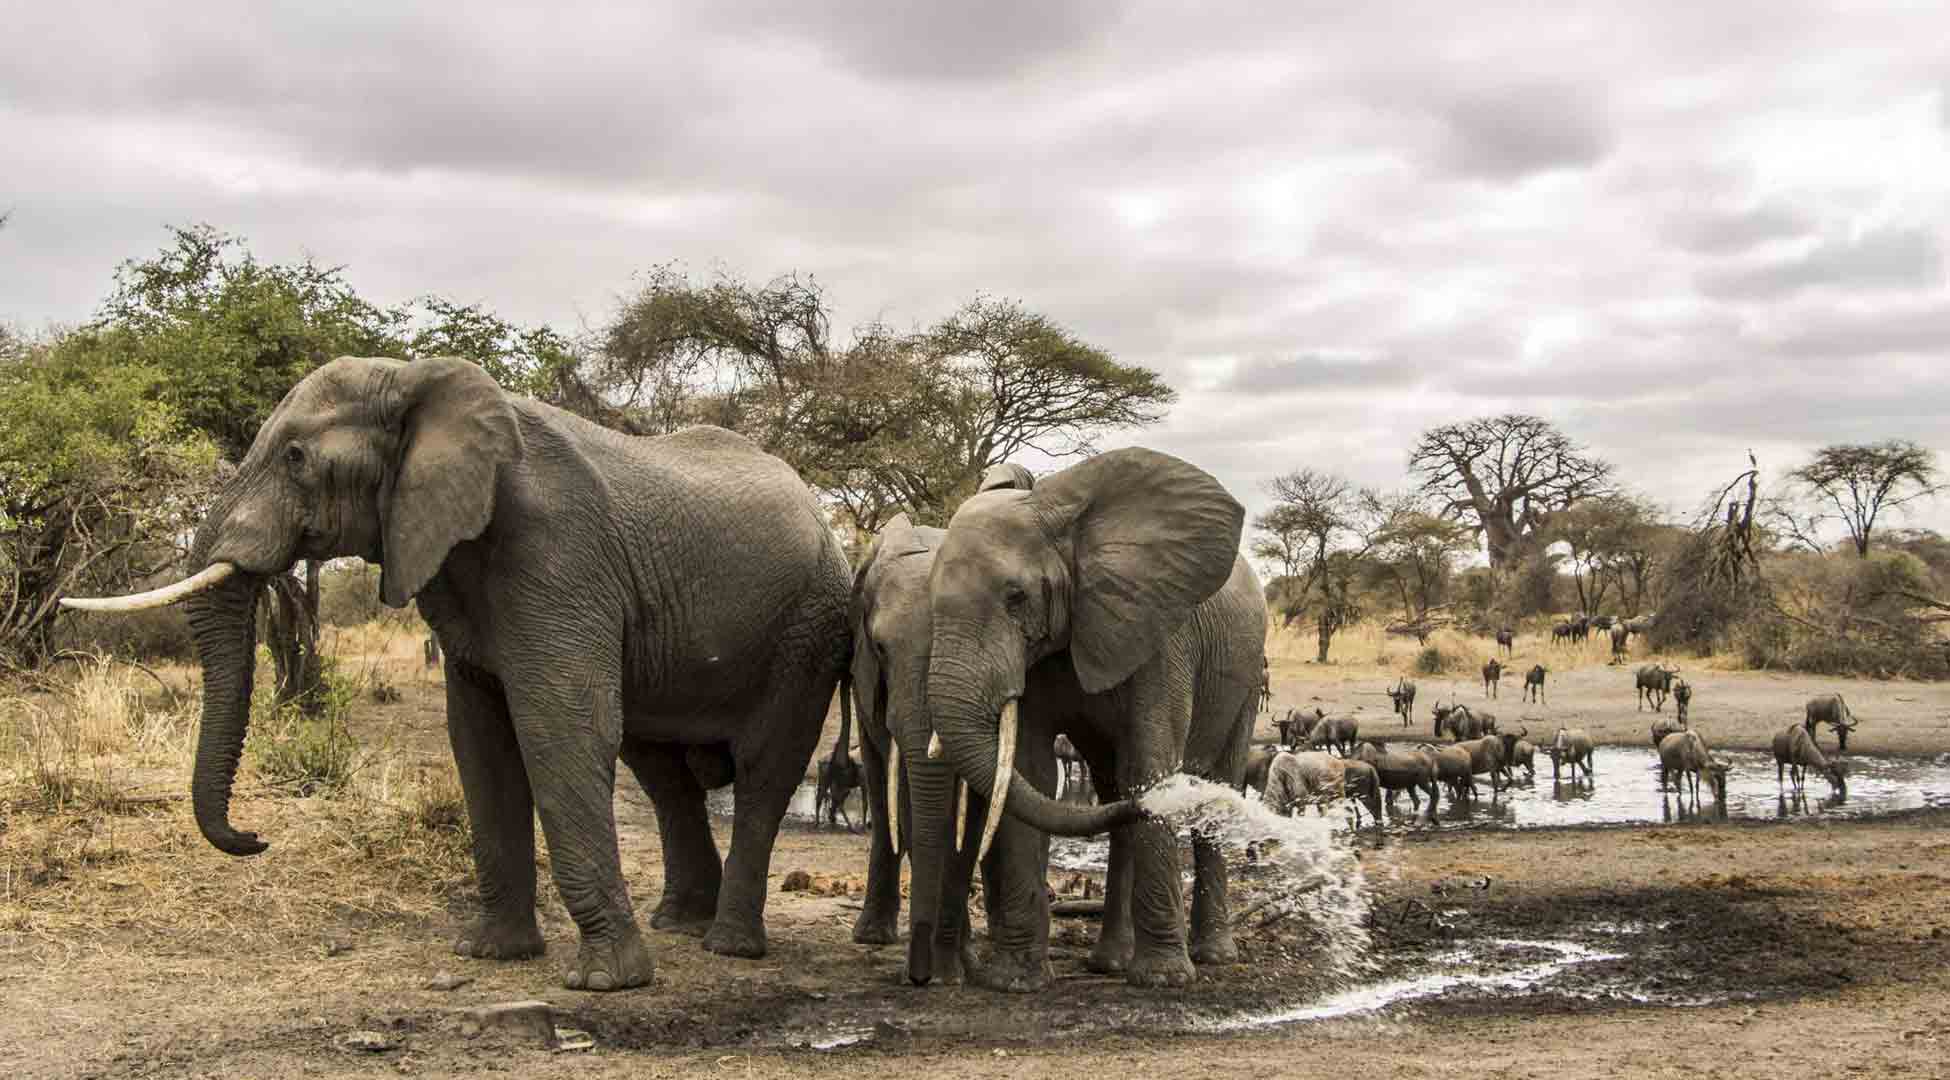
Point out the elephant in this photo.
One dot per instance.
(920, 806)
(1109, 601)
(677, 601)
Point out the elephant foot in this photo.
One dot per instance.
(1111, 956)
(1012, 972)
(684, 914)
(726, 939)
(1216, 948)
(611, 964)
(491, 938)
(874, 928)
(1161, 969)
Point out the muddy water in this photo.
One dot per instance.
(1625, 790)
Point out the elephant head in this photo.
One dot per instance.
(1103, 560)
(389, 461)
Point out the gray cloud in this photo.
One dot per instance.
(1677, 229)
(1907, 258)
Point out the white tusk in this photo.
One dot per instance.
(894, 795)
(961, 811)
(206, 578)
(934, 747)
(1005, 767)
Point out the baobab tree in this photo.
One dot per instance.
(1507, 474)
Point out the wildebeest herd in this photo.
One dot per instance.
(1478, 748)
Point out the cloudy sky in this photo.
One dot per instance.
(1679, 232)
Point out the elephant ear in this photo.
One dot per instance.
(1009, 476)
(1151, 537)
(456, 429)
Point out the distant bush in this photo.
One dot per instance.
(1433, 661)
(156, 634)
(308, 750)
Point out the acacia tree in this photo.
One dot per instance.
(1508, 474)
(1862, 480)
(1320, 531)
(1415, 554)
(884, 423)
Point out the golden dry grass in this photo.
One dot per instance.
(1366, 651)
(97, 840)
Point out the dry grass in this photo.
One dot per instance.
(97, 841)
(1366, 651)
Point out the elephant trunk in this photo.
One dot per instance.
(223, 625)
(971, 733)
(930, 792)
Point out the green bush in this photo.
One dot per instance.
(306, 746)
(1433, 661)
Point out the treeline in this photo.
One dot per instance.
(115, 434)
(1805, 577)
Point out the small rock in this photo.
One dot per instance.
(536, 1018)
(568, 1040)
(371, 1042)
(335, 947)
(447, 980)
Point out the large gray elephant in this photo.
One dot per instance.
(891, 621)
(675, 601)
(1110, 603)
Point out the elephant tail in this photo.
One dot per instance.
(843, 746)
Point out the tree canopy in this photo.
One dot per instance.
(1862, 480)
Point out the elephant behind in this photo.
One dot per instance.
(1110, 602)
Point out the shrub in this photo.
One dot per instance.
(306, 746)
(1433, 661)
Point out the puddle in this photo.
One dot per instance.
(1625, 790)
(1502, 965)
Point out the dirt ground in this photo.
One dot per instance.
(1811, 948)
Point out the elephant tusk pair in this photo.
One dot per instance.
(208, 578)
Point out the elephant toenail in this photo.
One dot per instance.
(574, 980)
(600, 980)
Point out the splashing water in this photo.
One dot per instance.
(1310, 871)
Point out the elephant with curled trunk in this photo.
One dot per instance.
(1110, 602)
(920, 806)
(676, 601)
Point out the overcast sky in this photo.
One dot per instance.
(1679, 232)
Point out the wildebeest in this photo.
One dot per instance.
(1581, 628)
(1602, 622)
(1654, 683)
(1572, 747)
(1463, 722)
(1297, 724)
(1485, 756)
(1399, 769)
(1518, 750)
(1620, 636)
(1641, 625)
(1403, 695)
(1795, 752)
(1075, 769)
(1533, 683)
(1335, 731)
(1455, 768)
(1664, 726)
(1293, 780)
(1682, 698)
(1830, 709)
(1683, 756)
(1492, 677)
(1506, 639)
(839, 776)
(1562, 633)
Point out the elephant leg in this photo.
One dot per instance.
(772, 762)
(1015, 881)
(1112, 953)
(692, 870)
(1211, 924)
(878, 923)
(1160, 719)
(570, 740)
(501, 813)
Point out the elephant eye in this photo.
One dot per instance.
(294, 455)
(1013, 597)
